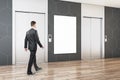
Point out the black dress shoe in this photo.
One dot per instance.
(30, 73)
(37, 69)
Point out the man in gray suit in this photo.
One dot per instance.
(31, 41)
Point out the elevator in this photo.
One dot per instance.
(91, 38)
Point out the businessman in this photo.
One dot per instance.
(31, 41)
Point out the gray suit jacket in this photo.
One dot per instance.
(32, 39)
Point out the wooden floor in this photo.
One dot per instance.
(105, 69)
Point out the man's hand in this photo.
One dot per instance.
(26, 49)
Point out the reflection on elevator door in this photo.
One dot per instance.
(91, 38)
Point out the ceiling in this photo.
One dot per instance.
(111, 3)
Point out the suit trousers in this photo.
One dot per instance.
(32, 60)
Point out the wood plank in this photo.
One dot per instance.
(102, 69)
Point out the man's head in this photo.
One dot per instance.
(33, 24)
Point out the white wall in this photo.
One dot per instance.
(40, 6)
(30, 5)
(93, 11)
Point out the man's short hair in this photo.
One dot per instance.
(33, 23)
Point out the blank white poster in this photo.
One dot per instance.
(64, 34)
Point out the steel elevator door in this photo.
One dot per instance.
(22, 23)
(91, 38)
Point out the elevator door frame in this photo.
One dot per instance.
(101, 38)
(13, 33)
